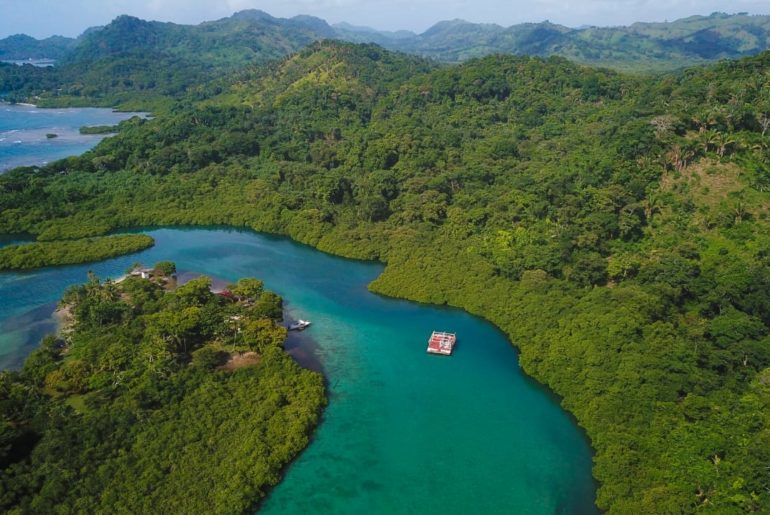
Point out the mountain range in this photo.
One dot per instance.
(649, 46)
(254, 36)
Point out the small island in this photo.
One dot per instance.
(152, 388)
(99, 129)
(26, 256)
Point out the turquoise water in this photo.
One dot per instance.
(23, 130)
(404, 432)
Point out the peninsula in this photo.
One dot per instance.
(152, 388)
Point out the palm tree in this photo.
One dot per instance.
(680, 156)
(651, 206)
(708, 139)
(700, 121)
(740, 212)
(723, 143)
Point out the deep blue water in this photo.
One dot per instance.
(405, 432)
(23, 130)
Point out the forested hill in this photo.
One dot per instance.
(638, 47)
(22, 47)
(245, 37)
(615, 227)
(134, 63)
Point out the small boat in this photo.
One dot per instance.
(299, 325)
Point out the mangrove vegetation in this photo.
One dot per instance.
(38, 254)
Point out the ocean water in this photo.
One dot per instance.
(404, 432)
(23, 131)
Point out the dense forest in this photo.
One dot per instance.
(153, 389)
(614, 226)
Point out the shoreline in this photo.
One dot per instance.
(23, 104)
(64, 320)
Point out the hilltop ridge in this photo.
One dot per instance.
(642, 46)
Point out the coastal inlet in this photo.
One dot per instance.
(405, 431)
(30, 136)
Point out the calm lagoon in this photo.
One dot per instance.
(404, 432)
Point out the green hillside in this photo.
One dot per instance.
(615, 227)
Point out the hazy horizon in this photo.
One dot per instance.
(44, 18)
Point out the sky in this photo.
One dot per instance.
(43, 18)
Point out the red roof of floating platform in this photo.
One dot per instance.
(441, 343)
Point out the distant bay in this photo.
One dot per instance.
(25, 130)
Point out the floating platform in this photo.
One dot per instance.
(442, 343)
